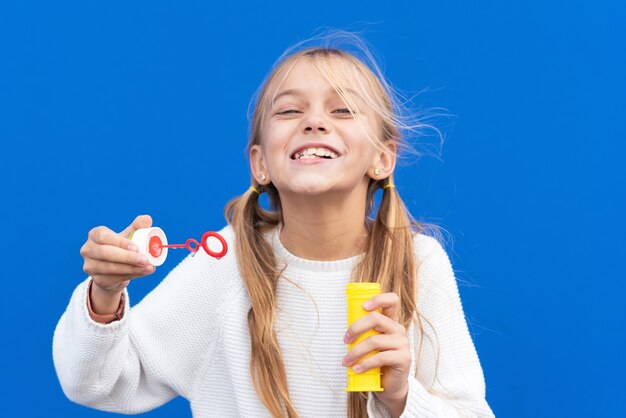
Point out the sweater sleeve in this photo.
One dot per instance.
(446, 378)
(152, 354)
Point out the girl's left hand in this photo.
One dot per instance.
(394, 357)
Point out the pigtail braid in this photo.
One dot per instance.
(389, 260)
(258, 269)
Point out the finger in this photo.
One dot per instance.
(373, 320)
(117, 255)
(379, 342)
(104, 236)
(391, 358)
(388, 302)
(97, 267)
(141, 221)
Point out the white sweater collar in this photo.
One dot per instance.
(293, 261)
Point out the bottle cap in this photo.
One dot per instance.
(151, 243)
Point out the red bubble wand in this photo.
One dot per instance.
(152, 242)
(156, 245)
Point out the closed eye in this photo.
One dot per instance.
(344, 111)
(288, 112)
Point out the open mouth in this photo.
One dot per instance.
(314, 153)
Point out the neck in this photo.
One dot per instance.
(324, 228)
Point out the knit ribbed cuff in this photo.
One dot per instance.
(418, 403)
(376, 408)
(81, 309)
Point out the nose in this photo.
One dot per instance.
(315, 123)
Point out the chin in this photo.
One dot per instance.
(309, 189)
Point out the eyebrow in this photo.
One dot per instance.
(300, 93)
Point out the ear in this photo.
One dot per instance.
(257, 165)
(384, 161)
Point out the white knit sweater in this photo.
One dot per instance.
(189, 337)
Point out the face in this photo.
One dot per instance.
(311, 143)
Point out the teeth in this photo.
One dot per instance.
(311, 153)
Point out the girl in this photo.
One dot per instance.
(262, 331)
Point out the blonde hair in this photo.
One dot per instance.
(389, 256)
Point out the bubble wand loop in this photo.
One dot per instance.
(152, 243)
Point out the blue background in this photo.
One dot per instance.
(113, 109)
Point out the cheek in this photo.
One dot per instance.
(358, 139)
(272, 149)
(277, 135)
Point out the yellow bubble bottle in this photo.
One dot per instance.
(357, 294)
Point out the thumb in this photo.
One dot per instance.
(141, 221)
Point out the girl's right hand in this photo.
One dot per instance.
(112, 260)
